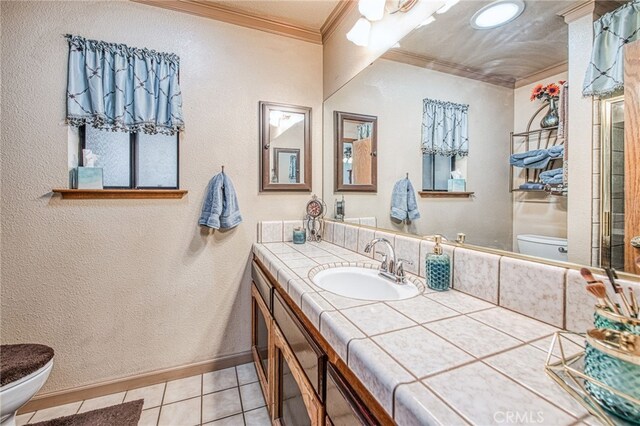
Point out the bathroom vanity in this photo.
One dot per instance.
(461, 356)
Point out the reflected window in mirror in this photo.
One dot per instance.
(285, 144)
(355, 152)
(445, 145)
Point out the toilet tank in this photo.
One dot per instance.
(542, 246)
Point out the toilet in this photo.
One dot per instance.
(541, 246)
(24, 369)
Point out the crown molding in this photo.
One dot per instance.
(446, 67)
(336, 17)
(596, 8)
(542, 74)
(244, 19)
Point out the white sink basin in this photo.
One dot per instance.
(363, 284)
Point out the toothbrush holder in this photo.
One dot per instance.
(299, 235)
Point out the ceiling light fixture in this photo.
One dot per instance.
(359, 34)
(373, 10)
(448, 5)
(498, 13)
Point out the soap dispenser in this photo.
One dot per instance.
(438, 267)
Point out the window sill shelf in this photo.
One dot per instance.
(445, 194)
(94, 194)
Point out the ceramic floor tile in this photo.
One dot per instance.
(252, 397)
(459, 301)
(514, 324)
(149, 417)
(186, 388)
(491, 398)
(421, 351)
(152, 395)
(101, 402)
(219, 380)
(525, 365)
(183, 413)
(377, 318)
(236, 420)
(421, 309)
(570, 346)
(473, 336)
(259, 417)
(53, 412)
(247, 373)
(220, 404)
(23, 419)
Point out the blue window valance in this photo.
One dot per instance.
(445, 128)
(120, 88)
(605, 74)
(365, 130)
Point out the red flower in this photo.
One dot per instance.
(553, 90)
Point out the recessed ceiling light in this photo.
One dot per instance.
(359, 34)
(496, 14)
(373, 10)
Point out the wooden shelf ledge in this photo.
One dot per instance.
(445, 194)
(113, 194)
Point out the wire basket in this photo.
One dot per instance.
(597, 394)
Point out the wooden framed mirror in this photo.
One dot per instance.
(285, 146)
(356, 156)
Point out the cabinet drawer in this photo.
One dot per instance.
(308, 354)
(263, 285)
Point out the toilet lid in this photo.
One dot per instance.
(18, 361)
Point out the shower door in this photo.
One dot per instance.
(612, 247)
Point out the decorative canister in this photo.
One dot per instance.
(299, 235)
(613, 359)
(603, 318)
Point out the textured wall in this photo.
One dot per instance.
(127, 286)
(394, 92)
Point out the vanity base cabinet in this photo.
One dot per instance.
(303, 380)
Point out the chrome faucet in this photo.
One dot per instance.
(389, 268)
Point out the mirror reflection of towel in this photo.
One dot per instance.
(403, 201)
(293, 168)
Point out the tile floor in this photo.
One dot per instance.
(229, 397)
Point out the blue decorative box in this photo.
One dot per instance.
(457, 185)
(89, 178)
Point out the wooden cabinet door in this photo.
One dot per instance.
(295, 401)
(262, 344)
(632, 156)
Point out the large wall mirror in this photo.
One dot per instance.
(500, 163)
(285, 146)
(356, 156)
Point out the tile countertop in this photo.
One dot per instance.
(438, 358)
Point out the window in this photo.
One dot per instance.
(436, 171)
(134, 160)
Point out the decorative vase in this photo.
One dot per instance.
(551, 118)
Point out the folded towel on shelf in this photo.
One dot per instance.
(403, 201)
(552, 177)
(220, 209)
(532, 186)
(537, 158)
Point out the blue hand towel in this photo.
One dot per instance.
(537, 158)
(403, 201)
(220, 208)
(552, 177)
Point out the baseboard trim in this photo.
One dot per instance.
(53, 399)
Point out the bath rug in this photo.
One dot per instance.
(18, 361)
(127, 414)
